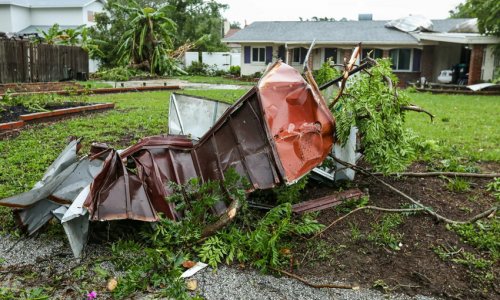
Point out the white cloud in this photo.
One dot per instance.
(283, 10)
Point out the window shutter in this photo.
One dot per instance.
(417, 57)
(247, 50)
(303, 53)
(282, 53)
(269, 54)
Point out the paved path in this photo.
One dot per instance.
(182, 83)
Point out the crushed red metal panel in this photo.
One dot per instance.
(327, 201)
(273, 135)
(299, 121)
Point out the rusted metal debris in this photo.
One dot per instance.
(275, 134)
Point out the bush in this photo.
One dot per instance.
(197, 68)
(117, 74)
(235, 70)
(257, 75)
(219, 73)
(325, 73)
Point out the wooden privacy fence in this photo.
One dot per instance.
(23, 61)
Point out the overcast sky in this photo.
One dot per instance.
(291, 10)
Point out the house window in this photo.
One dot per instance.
(401, 59)
(373, 53)
(298, 55)
(331, 53)
(259, 54)
(90, 16)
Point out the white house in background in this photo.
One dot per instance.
(28, 16)
(414, 54)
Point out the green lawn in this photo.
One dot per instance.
(213, 80)
(471, 123)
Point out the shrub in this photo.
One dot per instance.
(116, 74)
(235, 70)
(197, 68)
(326, 73)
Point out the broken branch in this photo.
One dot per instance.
(425, 208)
(318, 286)
(347, 70)
(418, 109)
(447, 174)
(224, 219)
(399, 210)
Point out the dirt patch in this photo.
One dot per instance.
(38, 87)
(12, 113)
(415, 268)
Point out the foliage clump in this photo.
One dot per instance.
(262, 246)
(156, 260)
(325, 73)
(375, 107)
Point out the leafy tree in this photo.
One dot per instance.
(51, 36)
(197, 21)
(316, 19)
(487, 13)
(235, 25)
(147, 42)
(72, 37)
(376, 108)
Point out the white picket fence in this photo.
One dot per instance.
(216, 60)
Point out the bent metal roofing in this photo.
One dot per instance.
(330, 32)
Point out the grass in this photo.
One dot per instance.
(468, 122)
(213, 80)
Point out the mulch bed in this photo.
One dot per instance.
(416, 268)
(12, 113)
(38, 87)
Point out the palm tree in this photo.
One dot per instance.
(52, 35)
(148, 42)
(71, 36)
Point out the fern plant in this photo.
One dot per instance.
(263, 244)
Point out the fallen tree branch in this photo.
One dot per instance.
(318, 286)
(226, 218)
(425, 208)
(348, 68)
(399, 210)
(448, 174)
(412, 107)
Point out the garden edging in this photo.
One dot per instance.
(55, 114)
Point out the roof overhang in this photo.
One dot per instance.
(457, 38)
(308, 42)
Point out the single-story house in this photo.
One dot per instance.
(29, 16)
(414, 54)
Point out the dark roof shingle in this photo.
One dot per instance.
(325, 31)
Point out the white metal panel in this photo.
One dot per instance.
(193, 116)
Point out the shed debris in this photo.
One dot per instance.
(275, 134)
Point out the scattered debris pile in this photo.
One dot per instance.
(275, 134)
